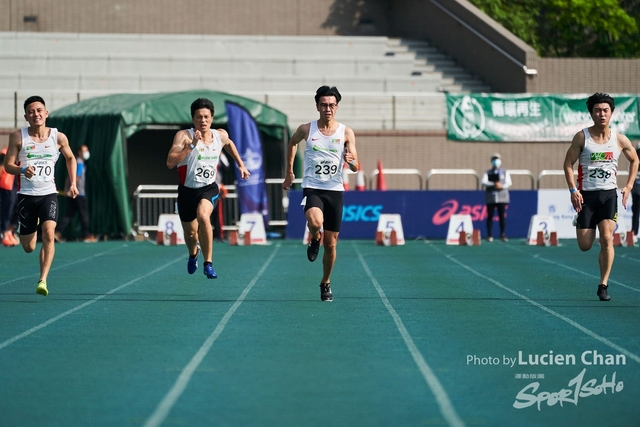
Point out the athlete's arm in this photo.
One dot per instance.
(631, 155)
(350, 153)
(572, 156)
(181, 147)
(231, 149)
(15, 144)
(70, 159)
(301, 134)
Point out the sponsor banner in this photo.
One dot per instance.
(526, 117)
(557, 204)
(424, 213)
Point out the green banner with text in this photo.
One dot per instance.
(527, 117)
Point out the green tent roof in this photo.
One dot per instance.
(104, 124)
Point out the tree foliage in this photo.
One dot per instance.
(571, 28)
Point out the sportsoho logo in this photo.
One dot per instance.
(467, 117)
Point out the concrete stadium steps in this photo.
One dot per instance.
(227, 83)
(430, 61)
(387, 83)
(160, 44)
(359, 110)
(263, 64)
(364, 110)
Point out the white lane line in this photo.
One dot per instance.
(536, 256)
(576, 325)
(81, 306)
(166, 404)
(446, 407)
(584, 273)
(629, 258)
(59, 267)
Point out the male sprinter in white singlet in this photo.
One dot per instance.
(595, 198)
(32, 154)
(328, 145)
(196, 153)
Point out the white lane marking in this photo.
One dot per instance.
(576, 325)
(536, 256)
(166, 404)
(81, 306)
(446, 407)
(59, 267)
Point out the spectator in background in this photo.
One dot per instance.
(78, 204)
(496, 182)
(635, 201)
(8, 195)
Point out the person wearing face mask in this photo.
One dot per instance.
(79, 204)
(496, 182)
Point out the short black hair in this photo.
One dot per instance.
(328, 91)
(600, 98)
(31, 100)
(201, 103)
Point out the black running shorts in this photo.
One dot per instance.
(597, 206)
(329, 202)
(34, 210)
(189, 199)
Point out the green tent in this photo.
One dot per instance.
(106, 123)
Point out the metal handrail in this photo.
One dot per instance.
(451, 172)
(552, 172)
(560, 172)
(524, 172)
(376, 172)
(527, 71)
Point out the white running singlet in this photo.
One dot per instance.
(42, 156)
(324, 159)
(598, 164)
(200, 167)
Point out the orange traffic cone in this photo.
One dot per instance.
(360, 184)
(382, 185)
(629, 240)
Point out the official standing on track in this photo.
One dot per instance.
(329, 144)
(32, 154)
(196, 153)
(496, 182)
(597, 148)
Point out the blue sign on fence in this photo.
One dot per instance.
(424, 213)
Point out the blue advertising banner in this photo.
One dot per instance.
(424, 213)
(243, 131)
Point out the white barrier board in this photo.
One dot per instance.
(168, 224)
(388, 223)
(557, 204)
(543, 223)
(458, 223)
(254, 223)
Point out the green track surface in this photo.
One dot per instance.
(127, 338)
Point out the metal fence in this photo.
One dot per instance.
(153, 200)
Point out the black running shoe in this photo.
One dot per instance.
(312, 249)
(602, 293)
(325, 292)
